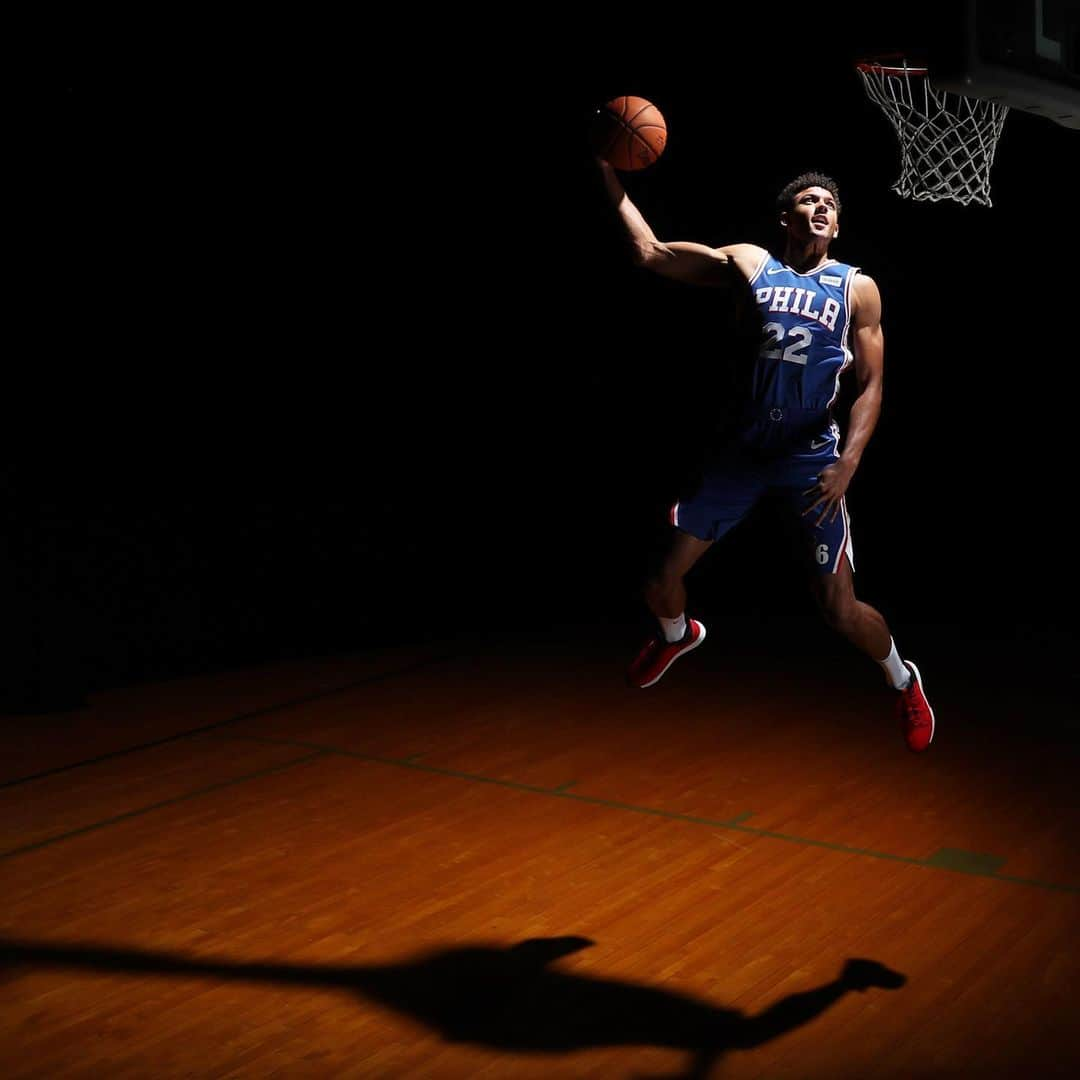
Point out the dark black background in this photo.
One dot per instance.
(331, 340)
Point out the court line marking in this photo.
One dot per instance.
(934, 862)
(216, 724)
(127, 815)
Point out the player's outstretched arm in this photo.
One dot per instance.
(681, 260)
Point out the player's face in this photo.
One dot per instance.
(812, 216)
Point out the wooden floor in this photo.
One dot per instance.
(491, 858)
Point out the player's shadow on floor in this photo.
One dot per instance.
(505, 998)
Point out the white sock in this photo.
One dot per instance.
(896, 671)
(673, 628)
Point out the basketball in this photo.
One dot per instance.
(629, 132)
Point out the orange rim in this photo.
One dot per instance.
(886, 65)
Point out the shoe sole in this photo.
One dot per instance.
(933, 719)
(689, 648)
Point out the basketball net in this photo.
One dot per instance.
(947, 140)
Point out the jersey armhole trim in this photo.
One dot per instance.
(760, 266)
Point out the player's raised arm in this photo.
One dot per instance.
(681, 260)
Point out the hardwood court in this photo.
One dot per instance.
(491, 858)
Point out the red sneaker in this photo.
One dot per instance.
(915, 713)
(658, 655)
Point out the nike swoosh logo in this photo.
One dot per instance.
(815, 445)
(778, 270)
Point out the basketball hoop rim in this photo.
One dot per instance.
(877, 65)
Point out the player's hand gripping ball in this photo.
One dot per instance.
(629, 132)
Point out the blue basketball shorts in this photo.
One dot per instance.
(735, 480)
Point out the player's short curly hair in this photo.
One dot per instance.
(786, 199)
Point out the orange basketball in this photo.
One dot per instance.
(629, 132)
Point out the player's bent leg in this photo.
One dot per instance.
(729, 489)
(861, 624)
(665, 593)
(665, 596)
(867, 630)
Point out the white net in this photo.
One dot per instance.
(947, 141)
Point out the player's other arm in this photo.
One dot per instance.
(681, 260)
(869, 348)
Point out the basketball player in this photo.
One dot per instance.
(819, 317)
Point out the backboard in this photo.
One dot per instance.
(1024, 54)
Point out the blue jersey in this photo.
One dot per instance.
(804, 348)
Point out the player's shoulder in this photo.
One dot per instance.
(866, 298)
(863, 285)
